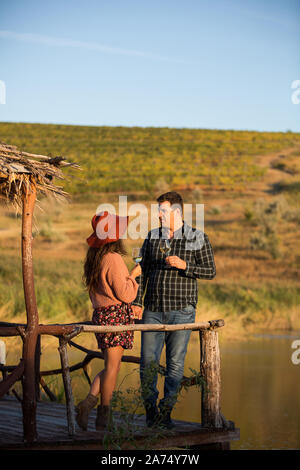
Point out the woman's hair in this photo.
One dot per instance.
(93, 259)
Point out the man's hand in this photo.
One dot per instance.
(137, 312)
(176, 262)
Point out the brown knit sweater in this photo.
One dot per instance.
(115, 284)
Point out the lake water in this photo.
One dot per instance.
(260, 387)
(260, 391)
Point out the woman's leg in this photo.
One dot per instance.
(95, 387)
(112, 357)
(105, 382)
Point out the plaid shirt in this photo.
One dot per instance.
(168, 288)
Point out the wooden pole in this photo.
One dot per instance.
(9, 380)
(37, 368)
(210, 371)
(31, 332)
(69, 328)
(10, 329)
(47, 390)
(67, 385)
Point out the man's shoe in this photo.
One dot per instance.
(164, 419)
(151, 416)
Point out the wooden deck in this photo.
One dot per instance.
(53, 431)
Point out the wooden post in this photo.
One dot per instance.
(67, 385)
(37, 368)
(47, 390)
(210, 370)
(31, 332)
(9, 380)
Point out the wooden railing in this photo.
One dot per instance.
(209, 363)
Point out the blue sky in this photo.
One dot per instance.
(226, 64)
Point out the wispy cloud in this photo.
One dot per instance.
(62, 42)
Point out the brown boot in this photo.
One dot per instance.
(103, 418)
(83, 410)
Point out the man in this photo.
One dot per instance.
(171, 293)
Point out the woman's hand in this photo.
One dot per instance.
(137, 312)
(136, 271)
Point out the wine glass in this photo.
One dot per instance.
(165, 248)
(137, 255)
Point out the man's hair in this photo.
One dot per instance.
(172, 197)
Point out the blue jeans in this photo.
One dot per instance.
(152, 343)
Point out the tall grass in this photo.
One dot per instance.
(58, 285)
(61, 295)
(252, 307)
(266, 218)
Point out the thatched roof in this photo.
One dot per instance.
(18, 170)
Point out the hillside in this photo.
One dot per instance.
(248, 181)
(118, 159)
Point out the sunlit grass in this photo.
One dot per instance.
(61, 296)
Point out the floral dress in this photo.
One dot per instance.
(114, 315)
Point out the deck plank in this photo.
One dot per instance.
(52, 430)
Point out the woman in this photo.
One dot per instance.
(111, 289)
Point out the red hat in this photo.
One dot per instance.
(107, 228)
